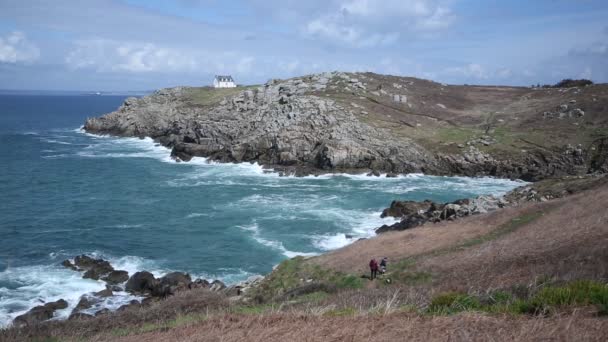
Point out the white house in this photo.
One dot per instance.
(223, 82)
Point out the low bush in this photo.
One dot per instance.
(581, 292)
(453, 302)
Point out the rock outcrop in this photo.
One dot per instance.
(40, 313)
(96, 269)
(282, 123)
(413, 214)
(324, 123)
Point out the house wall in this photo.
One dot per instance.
(223, 84)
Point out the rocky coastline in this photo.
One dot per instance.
(142, 285)
(322, 124)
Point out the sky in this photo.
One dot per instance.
(122, 45)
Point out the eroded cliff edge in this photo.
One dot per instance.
(342, 122)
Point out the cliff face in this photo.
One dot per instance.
(348, 122)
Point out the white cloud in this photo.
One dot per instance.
(504, 73)
(16, 48)
(586, 73)
(110, 55)
(471, 71)
(370, 23)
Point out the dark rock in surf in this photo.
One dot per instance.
(104, 293)
(116, 277)
(40, 313)
(141, 282)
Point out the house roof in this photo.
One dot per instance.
(220, 78)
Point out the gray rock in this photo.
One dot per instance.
(141, 282)
(40, 313)
(217, 285)
(116, 277)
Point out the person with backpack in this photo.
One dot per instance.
(373, 267)
(383, 264)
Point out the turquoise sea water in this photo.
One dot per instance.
(64, 192)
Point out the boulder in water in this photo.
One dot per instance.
(141, 282)
(116, 277)
(40, 313)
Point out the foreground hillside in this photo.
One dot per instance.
(537, 271)
(369, 122)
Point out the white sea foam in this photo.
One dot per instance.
(193, 215)
(53, 141)
(30, 286)
(276, 245)
(357, 225)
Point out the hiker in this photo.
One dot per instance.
(373, 267)
(383, 263)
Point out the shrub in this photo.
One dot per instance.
(569, 83)
(581, 292)
(349, 282)
(453, 302)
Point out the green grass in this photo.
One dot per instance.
(453, 302)
(341, 312)
(293, 272)
(547, 300)
(149, 327)
(314, 297)
(252, 309)
(580, 292)
(207, 96)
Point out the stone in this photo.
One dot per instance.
(199, 283)
(577, 112)
(141, 282)
(104, 293)
(68, 264)
(39, 313)
(93, 268)
(116, 277)
(85, 302)
(217, 285)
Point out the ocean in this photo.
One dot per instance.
(64, 192)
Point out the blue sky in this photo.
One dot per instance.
(144, 44)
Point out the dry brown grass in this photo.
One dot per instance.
(421, 240)
(184, 303)
(392, 327)
(566, 241)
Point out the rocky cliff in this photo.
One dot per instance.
(366, 122)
